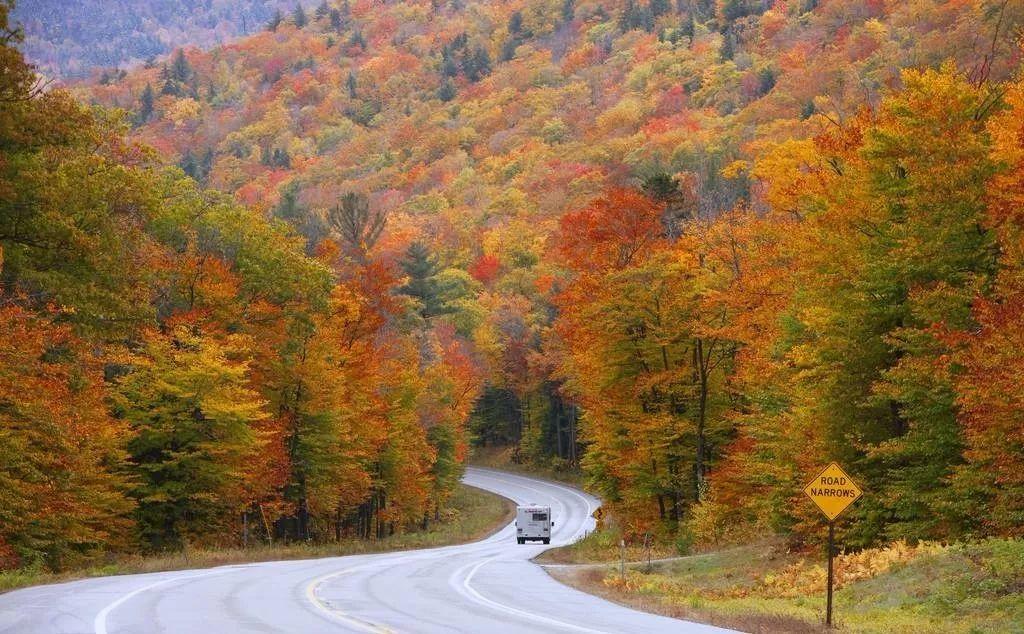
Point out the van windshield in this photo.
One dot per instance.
(540, 517)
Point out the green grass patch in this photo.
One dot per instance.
(472, 514)
(959, 589)
(603, 546)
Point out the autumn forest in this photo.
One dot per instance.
(281, 288)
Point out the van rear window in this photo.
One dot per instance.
(540, 517)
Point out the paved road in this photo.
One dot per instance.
(487, 587)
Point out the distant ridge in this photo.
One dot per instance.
(71, 38)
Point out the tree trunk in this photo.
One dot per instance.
(573, 427)
(700, 468)
(558, 412)
(304, 517)
(337, 523)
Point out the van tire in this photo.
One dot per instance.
(547, 540)
(520, 540)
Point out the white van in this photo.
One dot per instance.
(533, 523)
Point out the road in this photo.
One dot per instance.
(486, 587)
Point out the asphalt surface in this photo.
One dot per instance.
(485, 587)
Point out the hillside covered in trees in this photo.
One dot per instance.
(698, 248)
(175, 367)
(84, 37)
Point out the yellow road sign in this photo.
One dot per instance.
(833, 491)
(599, 513)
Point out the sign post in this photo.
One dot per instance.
(832, 491)
(622, 559)
(831, 553)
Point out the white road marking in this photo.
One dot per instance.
(479, 598)
(100, 623)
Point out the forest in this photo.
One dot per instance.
(65, 39)
(695, 249)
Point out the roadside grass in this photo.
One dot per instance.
(473, 514)
(968, 588)
(501, 458)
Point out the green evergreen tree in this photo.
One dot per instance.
(688, 27)
(478, 64)
(447, 91)
(659, 7)
(299, 17)
(206, 165)
(146, 102)
(515, 23)
(422, 268)
(568, 11)
(351, 84)
(275, 21)
(728, 49)
(289, 208)
(508, 49)
(447, 470)
(181, 70)
(188, 165)
(168, 85)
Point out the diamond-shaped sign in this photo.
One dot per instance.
(833, 491)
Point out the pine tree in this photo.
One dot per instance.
(206, 165)
(477, 64)
(688, 27)
(275, 21)
(728, 49)
(447, 91)
(659, 7)
(181, 70)
(289, 208)
(422, 267)
(631, 16)
(354, 223)
(508, 49)
(145, 105)
(350, 83)
(568, 11)
(515, 23)
(169, 86)
(299, 17)
(188, 165)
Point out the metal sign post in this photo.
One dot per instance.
(622, 559)
(831, 553)
(832, 491)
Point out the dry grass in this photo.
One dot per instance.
(960, 589)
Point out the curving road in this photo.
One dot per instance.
(490, 586)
